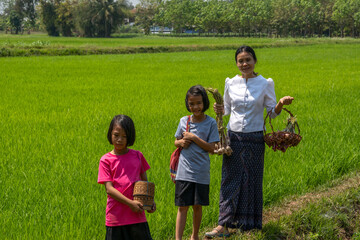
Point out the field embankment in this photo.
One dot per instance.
(42, 45)
(328, 213)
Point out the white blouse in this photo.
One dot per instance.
(245, 102)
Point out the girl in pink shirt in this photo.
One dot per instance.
(118, 171)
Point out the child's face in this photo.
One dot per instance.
(118, 138)
(196, 105)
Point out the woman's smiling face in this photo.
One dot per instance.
(246, 64)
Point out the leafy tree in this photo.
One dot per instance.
(257, 14)
(98, 18)
(341, 14)
(214, 16)
(21, 13)
(285, 17)
(159, 17)
(325, 12)
(83, 12)
(48, 16)
(14, 15)
(108, 15)
(65, 19)
(235, 17)
(29, 11)
(2, 23)
(15, 21)
(146, 12)
(355, 16)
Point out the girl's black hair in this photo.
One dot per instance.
(198, 90)
(247, 49)
(125, 123)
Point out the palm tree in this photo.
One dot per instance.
(108, 14)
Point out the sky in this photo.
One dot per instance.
(134, 2)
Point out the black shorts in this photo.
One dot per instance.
(190, 194)
(129, 232)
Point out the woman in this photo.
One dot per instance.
(245, 98)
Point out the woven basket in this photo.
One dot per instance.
(144, 192)
(281, 140)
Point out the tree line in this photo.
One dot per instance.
(255, 17)
(88, 18)
(101, 18)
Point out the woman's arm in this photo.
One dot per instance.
(118, 196)
(283, 101)
(209, 147)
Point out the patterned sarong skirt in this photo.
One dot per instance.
(241, 199)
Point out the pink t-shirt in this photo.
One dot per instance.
(123, 171)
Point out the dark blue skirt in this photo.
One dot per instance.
(241, 199)
(129, 232)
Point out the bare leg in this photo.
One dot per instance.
(180, 222)
(197, 209)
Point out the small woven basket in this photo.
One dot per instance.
(281, 140)
(144, 192)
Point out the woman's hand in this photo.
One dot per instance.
(153, 208)
(219, 108)
(136, 206)
(287, 100)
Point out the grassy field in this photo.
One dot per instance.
(55, 113)
(41, 44)
(143, 40)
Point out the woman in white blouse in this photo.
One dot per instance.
(245, 98)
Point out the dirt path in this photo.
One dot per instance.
(297, 203)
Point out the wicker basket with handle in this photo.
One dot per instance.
(144, 192)
(281, 140)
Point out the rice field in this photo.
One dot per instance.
(131, 40)
(55, 112)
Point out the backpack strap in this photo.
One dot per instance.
(142, 167)
(188, 124)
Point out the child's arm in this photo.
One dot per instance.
(184, 143)
(209, 147)
(118, 196)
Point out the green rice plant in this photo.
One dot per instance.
(41, 44)
(55, 112)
